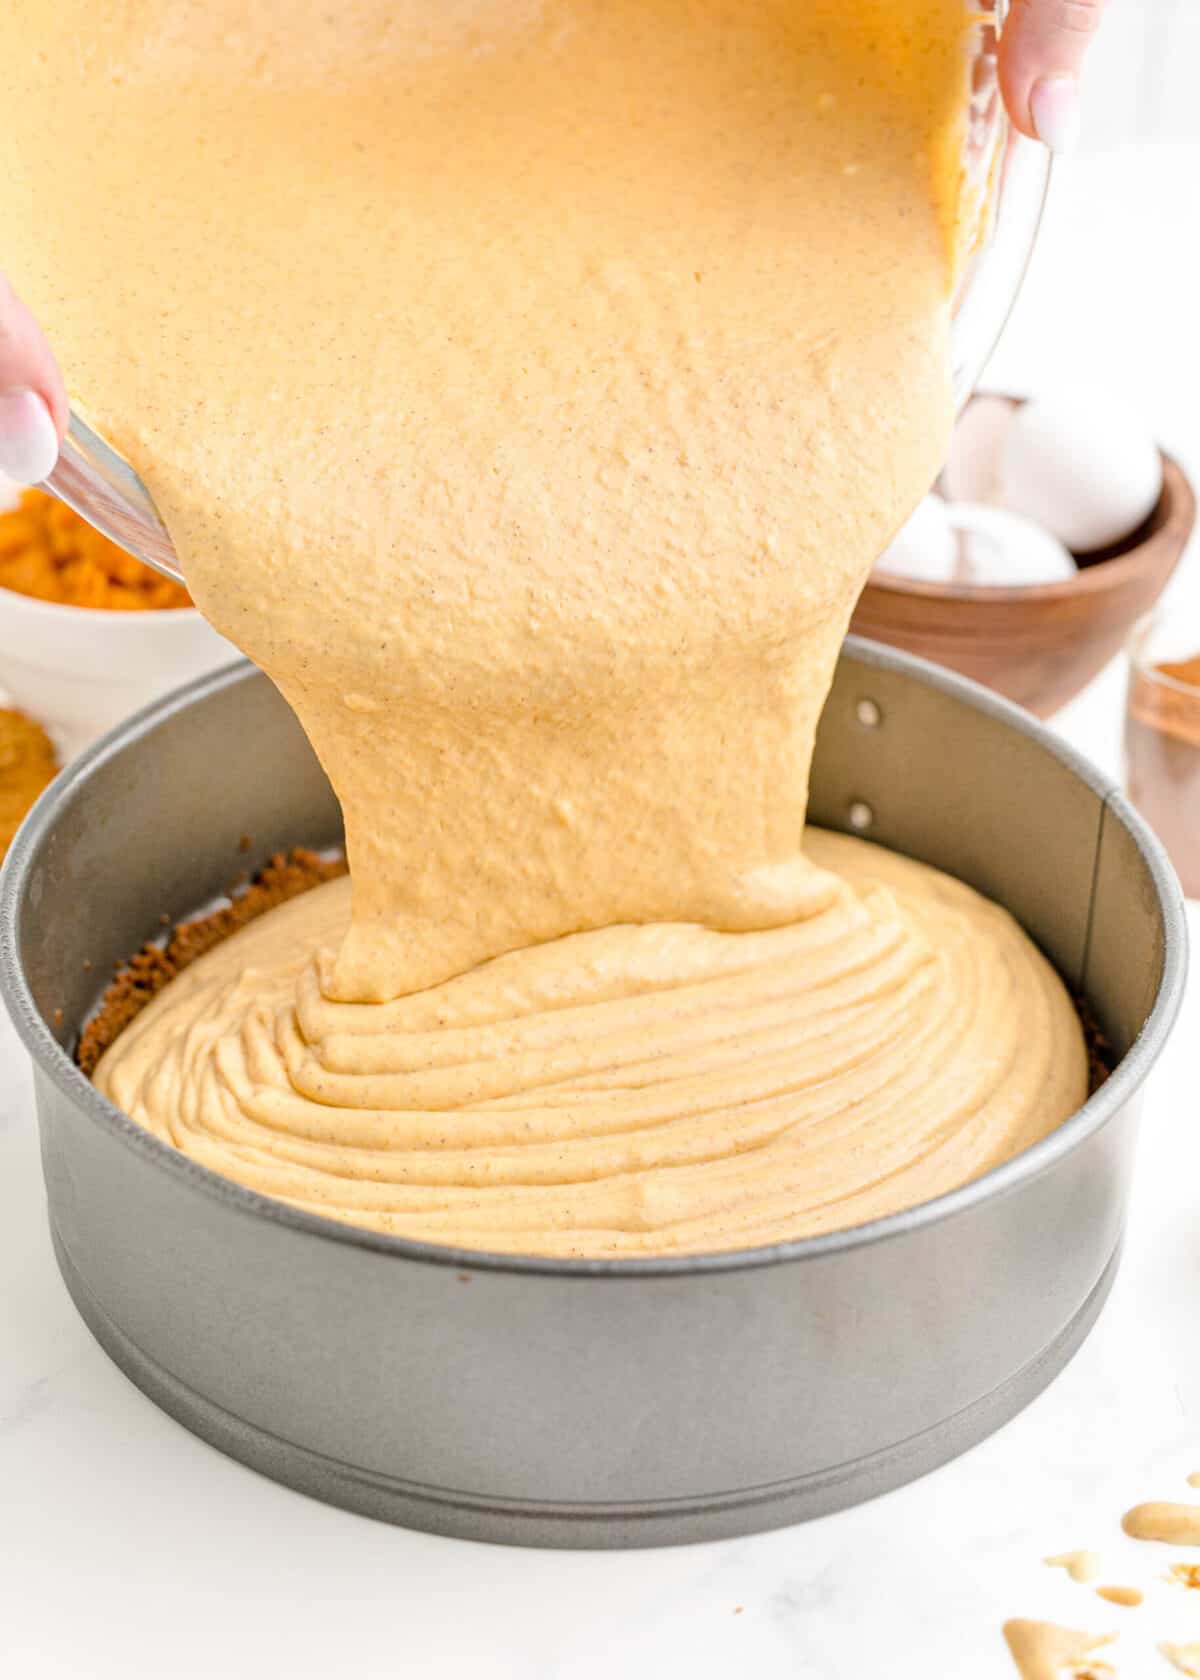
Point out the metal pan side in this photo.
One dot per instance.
(588, 1403)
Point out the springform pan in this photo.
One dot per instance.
(588, 1402)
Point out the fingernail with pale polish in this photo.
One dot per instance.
(28, 440)
(1054, 107)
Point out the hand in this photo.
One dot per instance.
(1041, 57)
(33, 398)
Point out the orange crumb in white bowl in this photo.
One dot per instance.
(87, 633)
(47, 551)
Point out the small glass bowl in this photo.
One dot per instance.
(1162, 735)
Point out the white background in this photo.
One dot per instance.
(127, 1548)
(1141, 81)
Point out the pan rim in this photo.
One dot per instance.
(53, 1061)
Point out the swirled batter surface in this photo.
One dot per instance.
(528, 386)
(629, 1091)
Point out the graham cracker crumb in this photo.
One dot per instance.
(284, 876)
(28, 763)
(1129, 1597)
(1101, 1059)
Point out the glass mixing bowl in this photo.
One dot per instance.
(1004, 183)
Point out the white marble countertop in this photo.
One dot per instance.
(128, 1548)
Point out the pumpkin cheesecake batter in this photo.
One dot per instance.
(528, 386)
(626, 1091)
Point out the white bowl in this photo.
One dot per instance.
(80, 670)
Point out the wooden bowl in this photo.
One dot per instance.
(1041, 643)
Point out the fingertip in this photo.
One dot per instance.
(28, 436)
(1054, 107)
(1041, 56)
(1017, 69)
(27, 362)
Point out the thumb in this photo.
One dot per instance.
(33, 399)
(1041, 57)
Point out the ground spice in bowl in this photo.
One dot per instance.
(49, 552)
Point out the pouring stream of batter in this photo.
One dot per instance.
(527, 386)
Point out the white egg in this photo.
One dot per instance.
(972, 470)
(10, 494)
(1082, 468)
(999, 547)
(925, 547)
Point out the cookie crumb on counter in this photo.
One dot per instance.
(1080, 1566)
(28, 763)
(1184, 1658)
(1040, 1650)
(1130, 1597)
